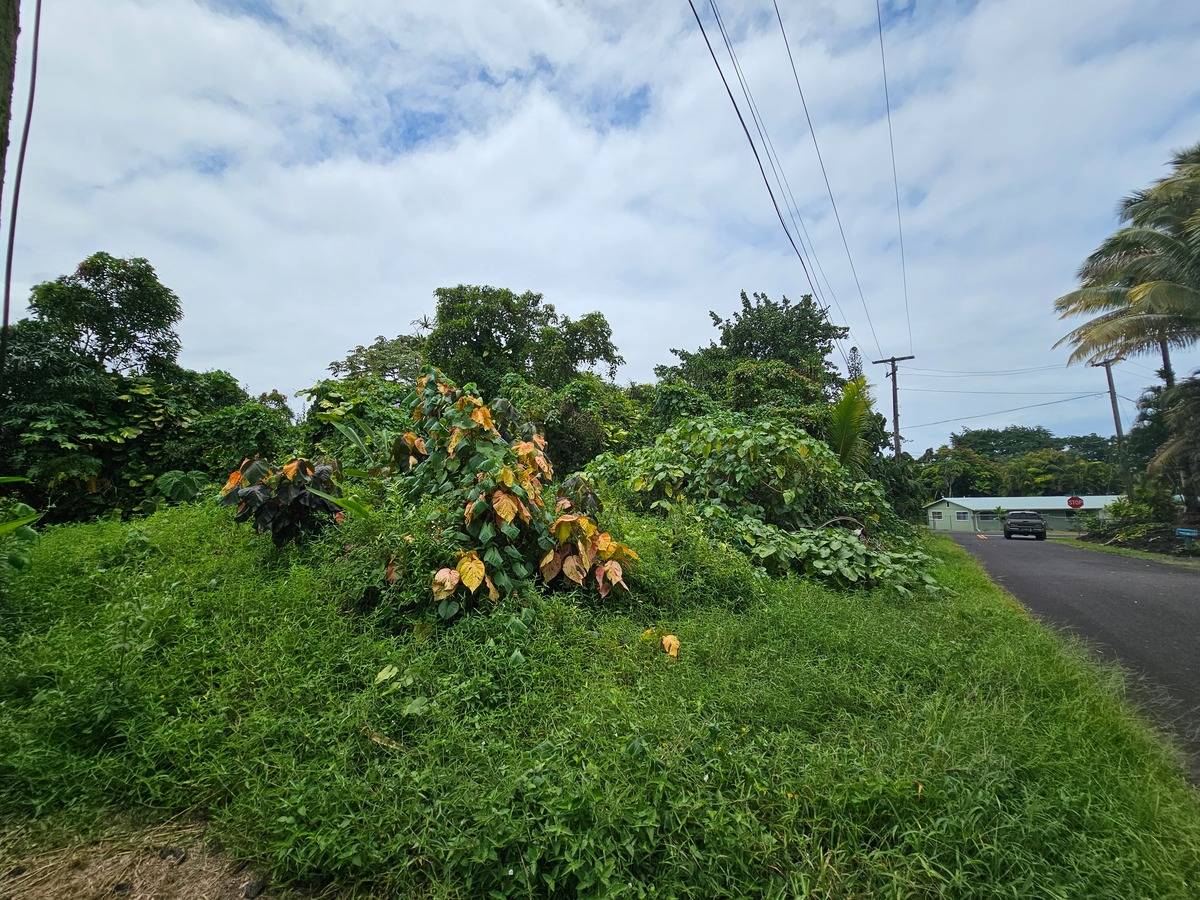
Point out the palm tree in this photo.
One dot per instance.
(1182, 447)
(1142, 286)
(849, 418)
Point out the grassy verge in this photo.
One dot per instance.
(1191, 564)
(806, 741)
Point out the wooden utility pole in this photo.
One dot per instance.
(1107, 365)
(891, 361)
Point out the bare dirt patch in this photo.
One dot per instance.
(170, 862)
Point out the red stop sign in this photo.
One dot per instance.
(1075, 502)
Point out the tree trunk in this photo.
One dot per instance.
(1168, 373)
(9, 29)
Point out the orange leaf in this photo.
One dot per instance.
(505, 505)
(390, 574)
(469, 512)
(574, 569)
(562, 505)
(290, 469)
(444, 583)
(235, 478)
(523, 512)
(493, 593)
(482, 416)
(455, 436)
(670, 645)
(540, 441)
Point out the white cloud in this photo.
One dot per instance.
(304, 179)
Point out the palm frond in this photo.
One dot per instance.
(849, 417)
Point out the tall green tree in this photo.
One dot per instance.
(1003, 443)
(797, 334)
(397, 359)
(482, 333)
(114, 312)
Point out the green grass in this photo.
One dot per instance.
(1183, 563)
(805, 742)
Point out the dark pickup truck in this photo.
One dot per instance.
(1025, 522)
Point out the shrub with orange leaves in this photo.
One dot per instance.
(498, 478)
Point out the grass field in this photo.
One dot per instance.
(1192, 564)
(805, 741)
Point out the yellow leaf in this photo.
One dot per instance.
(493, 593)
(472, 570)
(505, 505)
(455, 436)
(290, 469)
(482, 416)
(444, 583)
(670, 645)
(506, 477)
(574, 569)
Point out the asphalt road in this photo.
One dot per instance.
(1144, 615)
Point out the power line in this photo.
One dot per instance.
(895, 178)
(753, 148)
(916, 374)
(825, 174)
(1003, 393)
(1002, 411)
(785, 188)
(981, 371)
(12, 220)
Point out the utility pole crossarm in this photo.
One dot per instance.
(891, 361)
(1106, 365)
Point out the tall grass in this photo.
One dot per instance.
(804, 742)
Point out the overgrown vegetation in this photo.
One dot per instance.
(501, 626)
(804, 741)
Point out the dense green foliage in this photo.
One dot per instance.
(805, 741)
(584, 418)
(93, 407)
(480, 334)
(799, 336)
(398, 359)
(960, 471)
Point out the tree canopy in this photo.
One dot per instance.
(797, 334)
(112, 311)
(397, 359)
(482, 333)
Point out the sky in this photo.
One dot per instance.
(304, 173)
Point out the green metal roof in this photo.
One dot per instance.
(1091, 502)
